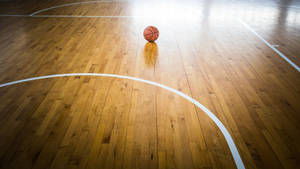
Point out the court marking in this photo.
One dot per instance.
(234, 152)
(70, 16)
(276, 46)
(280, 6)
(296, 7)
(64, 5)
(271, 46)
(80, 16)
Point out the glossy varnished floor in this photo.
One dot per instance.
(203, 50)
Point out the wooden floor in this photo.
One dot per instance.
(204, 51)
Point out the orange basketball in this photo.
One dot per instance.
(151, 33)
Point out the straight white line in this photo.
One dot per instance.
(271, 46)
(275, 46)
(235, 154)
(80, 16)
(64, 5)
(280, 6)
(293, 7)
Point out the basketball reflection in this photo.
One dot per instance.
(150, 54)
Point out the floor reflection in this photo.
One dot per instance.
(150, 54)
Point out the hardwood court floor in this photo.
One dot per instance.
(203, 50)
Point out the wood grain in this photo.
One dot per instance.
(100, 122)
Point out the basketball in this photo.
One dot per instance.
(151, 33)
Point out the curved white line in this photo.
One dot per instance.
(64, 5)
(236, 156)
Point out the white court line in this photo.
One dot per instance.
(81, 16)
(271, 46)
(64, 5)
(280, 6)
(72, 16)
(235, 154)
(293, 7)
(276, 46)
